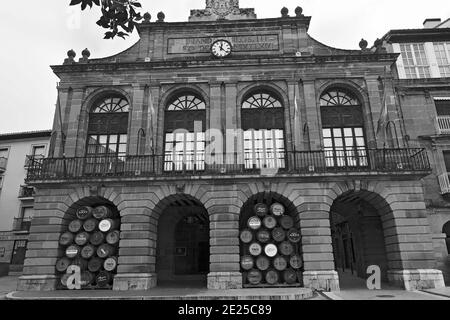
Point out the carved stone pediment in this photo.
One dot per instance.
(222, 10)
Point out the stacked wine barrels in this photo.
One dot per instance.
(270, 247)
(91, 242)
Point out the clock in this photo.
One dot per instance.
(221, 48)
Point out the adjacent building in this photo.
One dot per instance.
(17, 198)
(194, 132)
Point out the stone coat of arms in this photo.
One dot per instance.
(222, 8)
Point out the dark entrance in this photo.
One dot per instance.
(183, 245)
(18, 256)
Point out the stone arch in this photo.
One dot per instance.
(271, 87)
(103, 92)
(349, 85)
(178, 89)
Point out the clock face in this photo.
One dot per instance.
(221, 48)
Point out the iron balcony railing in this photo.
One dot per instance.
(443, 124)
(26, 192)
(444, 183)
(3, 164)
(22, 224)
(302, 162)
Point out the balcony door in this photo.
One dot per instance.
(343, 130)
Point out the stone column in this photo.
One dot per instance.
(319, 269)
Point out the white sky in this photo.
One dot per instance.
(37, 34)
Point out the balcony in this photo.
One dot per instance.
(443, 124)
(308, 163)
(30, 159)
(444, 183)
(22, 224)
(26, 192)
(3, 164)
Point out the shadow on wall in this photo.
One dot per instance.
(4, 269)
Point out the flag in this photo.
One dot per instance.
(296, 115)
(384, 116)
(152, 115)
(63, 138)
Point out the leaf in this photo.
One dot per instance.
(75, 2)
(109, 35)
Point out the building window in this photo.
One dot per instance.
(108, 128)
(263, 125)
(343, 129)
(415, 61)
(442, 106)
(442, 50)
(185, 119)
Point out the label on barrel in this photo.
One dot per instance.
(90, 225)
(247, 263)
(84, 212)
(290, 276)
(271, 250)
(296, 262)
(254, 223)
(113, 237)
(66, 239)
(72, 252)
(262, 263)
(110, 264)
(82, 238)
(294, 235)
(261, 209)
(105, 225)
(280, 263)
(62, 264)
(87, 252)
(75, 226)
(100, 212)
(277, 209)
(270, 222)
(103, 279)
(272, 277)
(278, 234)
(263, 236)
(286, 248)
(246, 236)
(97, 238)
(255, 249)
(254, 277)
(95, 264)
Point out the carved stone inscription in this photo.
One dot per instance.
(240, 43)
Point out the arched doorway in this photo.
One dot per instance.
(358, 237)
(183, 244)
(270, 242)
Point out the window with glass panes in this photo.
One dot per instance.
(343, 129)
(415, 61)
(184, 147)
(442, 51)
(108, 127)
(263, 125)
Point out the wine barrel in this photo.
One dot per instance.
(278, 234)
(272, 277)
(95, 264)
(254, 223)
(103, 279)
(108, 225)
(62, 264)
(262, 263)
(294, 236)
(287, 222)
(110, 264)
(102, 212)
(290, 276)
(84, 213)
(75, 226)
(271, 250)
(263, 236)
(64, 279)
(254, 277)
(261, 209)
(277, 209)
(113, 237)
(66, 239)
(82, 238)
(80, 262)
(296, 261)
(286, 248)
(97, 238)
(90, 225)
(72, 251)
(247, 263)
(255, 249)
(280, 263)
(86, 278)
(270, 222)
(246, 236)
(88, 251)
(105, 251)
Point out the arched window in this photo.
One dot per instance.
(263, 125)
(185, 120)
(108, 128)
(343, 129)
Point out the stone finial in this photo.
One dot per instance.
(363, 44)
(285, 12)
(378, 44)
(161, 16)
(299, 11)
(147, 17)
(86, 54)
(70, 57)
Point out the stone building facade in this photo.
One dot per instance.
(269, 115)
